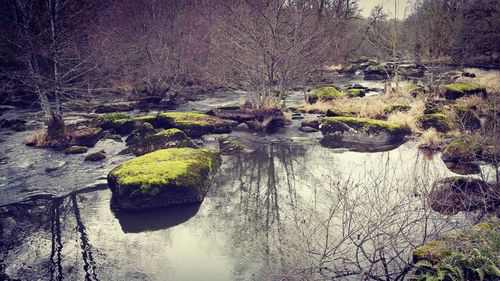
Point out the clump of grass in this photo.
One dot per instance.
(320, 106)
(430, 139)
(473, 102)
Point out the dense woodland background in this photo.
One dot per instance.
(67, 49)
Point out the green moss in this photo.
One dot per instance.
(438, 121)
(455, 91)
(458, 87)
(182, 167)
(76, 150)
(354, 93)
(464, 148)
(114, 116)
(194, 124)
(169, 132)
(326, 93)
(396, 107)
(369, 125)
(334, 112)
(433, 251)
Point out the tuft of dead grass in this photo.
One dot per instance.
(430, 139)
(473, 101)
(490, 79)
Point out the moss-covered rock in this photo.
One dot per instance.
(127, 125)
(470, 254)
(195, 124)
(355, 93)
(325, 94)
(396, 108)
(141, 132)
(95, 156)
(117, 107)
(163, 178)
(455, 194)
(458, 90)
(463, 149)
(437, 121)
(170, 138)
(362, 130)
(334, 112)
(76, 150)
(433, 251)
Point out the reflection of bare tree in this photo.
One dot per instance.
(55, 255)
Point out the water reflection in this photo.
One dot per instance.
(283, 210)
(156, 219)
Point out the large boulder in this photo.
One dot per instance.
(128, 125)
(170, 138)
(163, 178)
(195, 124)
(362, 130)
(456, 194)
(324, 94)
(458, 90)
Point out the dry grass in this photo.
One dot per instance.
(333, 67)
(473, 102)
(38, 139)
(319, 106)
(486, 78)
(430, 139)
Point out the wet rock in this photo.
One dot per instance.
(437, 121)
(412, 71)
(79, 105)
(235, 113)
(376, 72)
(116, 107)
(308, 129)
(468, 74)
(242, 127)
(105, 121)
(458, 90)
(456, 194)
(324, 94)
(163, 178)
(95, 156)
(195, 124)
(170, 138)
(17, 125)
(312, 123)
(141, 132)
(463, 168)
(85, 137)
(76, 150)
(297, 116)
(228, 146)
(54, 166)
(362, 130)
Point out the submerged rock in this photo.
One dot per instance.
(95, 156)
(195, 124)
(456, 194)
(228, 146)
(163, 178)
(76, 150)
(362, 130)
(171, 138)
(456, 91)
